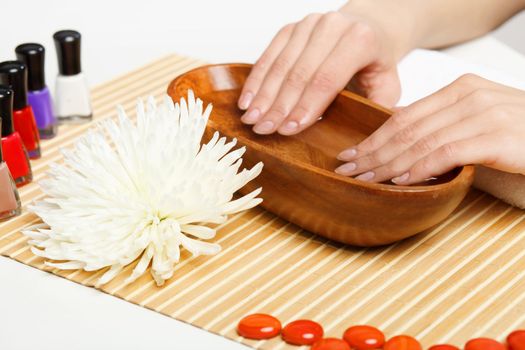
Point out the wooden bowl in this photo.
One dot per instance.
(298, 180)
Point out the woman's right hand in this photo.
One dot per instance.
(309, 62)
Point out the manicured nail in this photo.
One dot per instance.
(346, 169)
(369, 175)
(401, 179)
(265, 127)
(251, 117)
(347, 154)
(289, 127)
(245, 100)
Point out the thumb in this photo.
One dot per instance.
(383, 87)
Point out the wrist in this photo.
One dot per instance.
(395, 19)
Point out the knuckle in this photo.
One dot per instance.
(287, 29)
(323, 81)
(312, 17)
(297, 78)
(333, 16)
(468, 79)
(396, 167)
(399, 120)
(482, 96)
(406, 136)
(448, 151)
(425, 145)
(376, 158)
(262, 63)
(281, 66)
(362, 33)
(278, 111)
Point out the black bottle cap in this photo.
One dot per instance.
(67, 43)
(33, 56)
(14, 74)
(6, 110)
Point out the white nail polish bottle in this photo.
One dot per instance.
(72, 101)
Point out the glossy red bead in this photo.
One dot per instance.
(330, 344)
(484, 344)
(259, 326)
(443, 347)
(364, 337)
(302, 332)
(516, 340)
(402, 342)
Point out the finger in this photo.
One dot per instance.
(354, 51)
(465, 129)
(419, 133)
(478, 150)
(444, 97)
(323, 39)
(279, 69)
(262, 66)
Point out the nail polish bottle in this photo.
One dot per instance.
(38, 95)
(72, 99)
(14, 152)
(9, 199)
(14, 74)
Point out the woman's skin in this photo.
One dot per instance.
(471, 121)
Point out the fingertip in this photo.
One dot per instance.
(402, 179)
(251, 116)
(289, 128)
(347, 154)
(245, 100)
(264, 128)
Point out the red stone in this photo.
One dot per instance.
(443, 347)
(484, 344)
(364, 337)
(259, 326)
(330, 344)
(402, 342)
(516, 340)
(302, 332)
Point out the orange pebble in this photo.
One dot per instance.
(516, 340)
(402, 342)
(443, 347)
(302, 332)
(330, 344)
(484, 344)
(364, 337)
(259, 326)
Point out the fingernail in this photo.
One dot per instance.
(369, 175)
(347, 154)
(245, 100)
(401, 179)
(346, 169)
(289, 127)
(251, 117)
(264, 128)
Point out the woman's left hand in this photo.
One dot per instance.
(471, 121)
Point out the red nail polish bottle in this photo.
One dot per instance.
(15, 154)
(14, 74)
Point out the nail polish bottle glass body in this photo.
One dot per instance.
(25, 125)
(16, 158)
(9, 199)
(40, 101)
(72, 98)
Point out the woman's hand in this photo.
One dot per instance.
(471, 121)
(309, 62)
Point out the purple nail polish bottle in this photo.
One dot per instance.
(38, 95)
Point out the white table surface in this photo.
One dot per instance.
(41, 311)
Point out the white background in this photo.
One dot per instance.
(41, 311)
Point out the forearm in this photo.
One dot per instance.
(434, 23)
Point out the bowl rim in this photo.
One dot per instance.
(465, 173)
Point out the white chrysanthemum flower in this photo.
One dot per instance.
(128, 192)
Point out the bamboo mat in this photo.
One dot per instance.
(462, 279)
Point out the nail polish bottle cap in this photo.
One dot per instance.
(6, 110)
(33, 56)
(67, 43)
(14, 74)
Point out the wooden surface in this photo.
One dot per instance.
(463, 278)
(298, 181)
